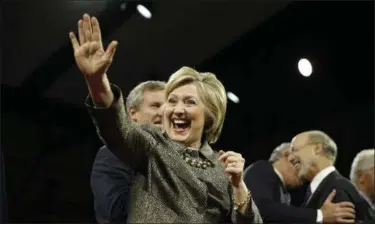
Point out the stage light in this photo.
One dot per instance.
(123, 6)
(233, 97)
(305, 67)
(144, 11)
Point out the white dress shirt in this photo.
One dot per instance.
(315, 184)
(279, 175)
(320, 177)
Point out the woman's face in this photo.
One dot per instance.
(184, 116)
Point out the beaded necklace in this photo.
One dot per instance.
(194, 161)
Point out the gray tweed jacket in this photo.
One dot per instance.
(166, 188)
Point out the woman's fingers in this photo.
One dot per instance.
(87, 28)
(230, 157)
(111, 49)
(81, 33)
(96, 33)
(74, 41)
(223, 156)
(233, 170)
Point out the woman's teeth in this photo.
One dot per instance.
(180, 124)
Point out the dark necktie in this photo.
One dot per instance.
(307, 195)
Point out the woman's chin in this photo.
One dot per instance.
(179, 137)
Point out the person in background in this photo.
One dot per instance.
(180, 179)
(362, 175)
(269, 182)
(313, 154)
(111, 178)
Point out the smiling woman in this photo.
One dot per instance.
(195, 107)
(180, 179)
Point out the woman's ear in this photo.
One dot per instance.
(133, 114)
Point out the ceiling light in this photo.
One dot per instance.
(233, 97)
(304, 67)
(144, 11)
(123, 6)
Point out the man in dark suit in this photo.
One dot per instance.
(313, 154)
(268, 182)
(111, 178)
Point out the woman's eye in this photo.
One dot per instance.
(191, 102)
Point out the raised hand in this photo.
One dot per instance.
(89, 53)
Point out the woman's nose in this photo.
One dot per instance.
(179, 109)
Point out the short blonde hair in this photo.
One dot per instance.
(212, 93)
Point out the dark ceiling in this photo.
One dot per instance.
(183, 33)
(252, 46)
(277, 102)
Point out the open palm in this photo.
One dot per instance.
(89, 54)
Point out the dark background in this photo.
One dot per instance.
(48, 139)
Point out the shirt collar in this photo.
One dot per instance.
(320, 177)
(279, 175)
(205, 150)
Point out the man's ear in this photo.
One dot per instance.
(286, 154)
(133, 114)
(318, 149)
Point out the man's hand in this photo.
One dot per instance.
(342, 212)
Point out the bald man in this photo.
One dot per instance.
(313, 154)
(269, 182)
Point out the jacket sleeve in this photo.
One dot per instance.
(363, 212)
(252, 215)
(129, 141)
(271, 210)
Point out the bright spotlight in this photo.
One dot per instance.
(233, 97)
(304, 67)
(144, 11)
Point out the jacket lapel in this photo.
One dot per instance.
(317, 193)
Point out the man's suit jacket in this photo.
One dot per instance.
(345, 191)
(267, 191)
(111, 181)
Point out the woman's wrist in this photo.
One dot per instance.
(241, 196)
(100, 91)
